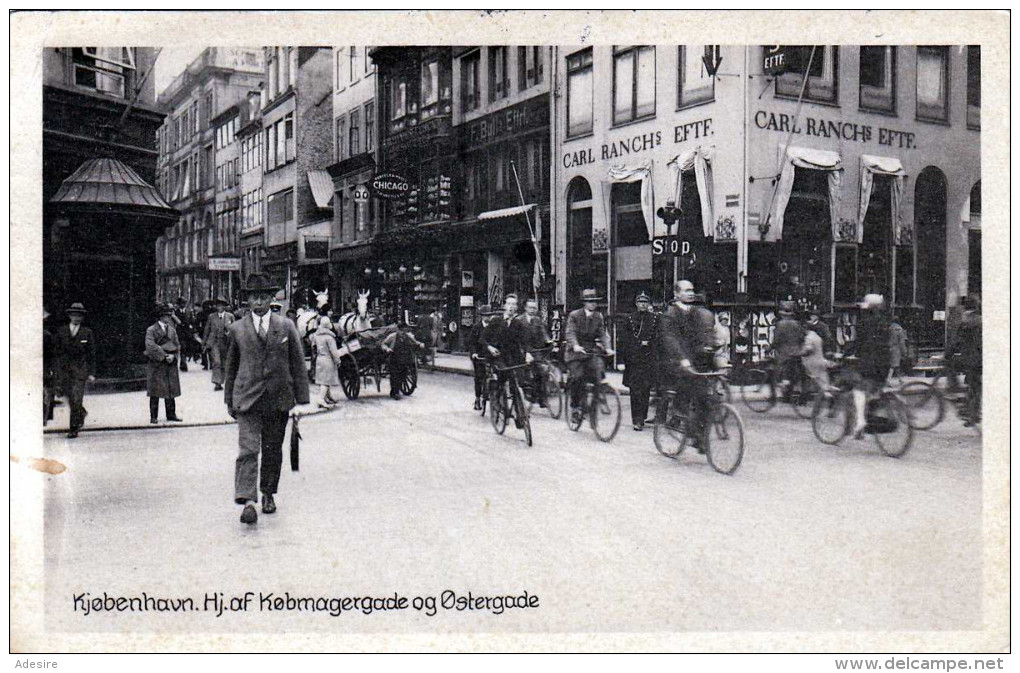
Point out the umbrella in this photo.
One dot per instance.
(295, 442)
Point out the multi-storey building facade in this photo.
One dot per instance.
(297, 143)
(102, 214)
(214, 82)
(251, 242)
(222, 241)
(354, 144)
(871, 183)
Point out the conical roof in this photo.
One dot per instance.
(111, 185)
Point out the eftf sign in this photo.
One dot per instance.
(780, 58)
(390, 186)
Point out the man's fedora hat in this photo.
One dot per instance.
(590, 294)
(260, 282)
(787, 307)
(164, 309)
(76, 307)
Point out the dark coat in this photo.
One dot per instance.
(968, 341)
(274, 369)
(531, 332)
(585, 332)
(505, 338)
(685, 335)
(474, 343)
(788, 340)
(873, 345)
(162, 379)
(76, 355)
(640, 348)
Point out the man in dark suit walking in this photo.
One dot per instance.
(76, 354)
(214, 340)
(265, 377)
(162, 350)
(585, 328)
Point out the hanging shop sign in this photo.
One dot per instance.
(390, 186)
(224, 263)
(780, 58)
(361, 194)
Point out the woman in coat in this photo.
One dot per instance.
(327, 361)
(897, 349)
(162, 350)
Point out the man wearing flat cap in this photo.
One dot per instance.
(214, 340)
(265, 378)
(639, 351)
(162, 351)
(76, 355)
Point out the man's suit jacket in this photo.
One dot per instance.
(501, 335)
(531, 333)
(274, 369)
(585, 332)
(685, 335)
(216, 329)
(76, 355)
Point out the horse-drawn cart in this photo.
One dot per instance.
(364, 361)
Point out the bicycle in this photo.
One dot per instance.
(507, 401)
(551, 391)
(600, 399)
(721, 435)
(888, 418)
(760, 393)
(927, 401)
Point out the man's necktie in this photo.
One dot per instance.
(262, 331)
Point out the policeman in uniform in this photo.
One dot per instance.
(639, 350)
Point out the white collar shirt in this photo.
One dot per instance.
(263, 321)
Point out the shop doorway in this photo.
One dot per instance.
(974, 242)
(805, 249)
(875, 256)
(585, 268)
(632, 256)
(930, 230)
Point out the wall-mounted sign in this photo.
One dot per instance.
(224, 263)
(697, 130)
(526, 116)
(361, 194)
(819, 127)
(778, 58)
(390, 186)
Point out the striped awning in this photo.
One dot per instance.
(111, 185)
(505, 212)
(322, 187)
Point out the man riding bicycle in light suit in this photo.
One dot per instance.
(585, 328)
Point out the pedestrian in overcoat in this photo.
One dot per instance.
(162, 351)
(639, 350)
(327, 362)
(265, 377)
(214, 340)
(76, 356)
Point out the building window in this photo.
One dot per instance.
(207, 165)
(694, 85)
(369, 127)
(469, 84)
(429, 85)
(628, 218)
(271, 147)
(633, 83)
(103, 69)
(974, 87)
(353, 59)
(208, 110)
(822, 75)
(341, 133)
(579, 93)
(288, 123)
(529, 66)
(499, 78)
(878, 78)
(398, 99)
(281, 206)
(354, 142)
(339, 69)
(933, 83)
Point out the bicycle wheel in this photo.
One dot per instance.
(803, 399)
(757, 391)
(553, 392)
(669, 432)
(497, 409)
(724, 439)
(897, 442)
(522, 414)
(605, 412)
(926, 404)
(574, 423)
(831, 417)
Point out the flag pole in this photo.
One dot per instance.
(531, 230)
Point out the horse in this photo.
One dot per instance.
(358, 321)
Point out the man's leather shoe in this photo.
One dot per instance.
(72, 434)
(175, 419)
(217, 387)
(268, 506)
(639, 427)
(478, 404)
(249, 515)
(153, 421)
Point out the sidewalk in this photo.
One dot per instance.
(198, 405)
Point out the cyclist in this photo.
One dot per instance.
(968, 344)
(501, 341)
(479, 354)
(532, 335)
(687, 344)
(585, 328)
(787, 344)
(872, 354)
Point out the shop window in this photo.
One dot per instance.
(845, 276)
(633, 83)
(974, 87)
(762, 263)
(875, 254)
(904, 275)
(930, 193)
(933, 84)
(628, 219)
(694, 84)
(579, 93)
(804, 252)
(469, 81)
(823, 75)
(878, 78)
(529, 66)
(499, 74)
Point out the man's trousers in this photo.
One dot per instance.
(259, 430)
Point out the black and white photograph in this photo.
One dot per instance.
(364, 339)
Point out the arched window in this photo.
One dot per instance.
(585, 268)
(974, 241)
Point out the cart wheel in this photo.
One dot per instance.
(410, 382)
(350, 378)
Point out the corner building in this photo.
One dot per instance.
(870, 184)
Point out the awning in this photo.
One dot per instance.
(806, 157)
(504, 212)
(892, 167)
(322, 187)
(698, 160)
(110, 185)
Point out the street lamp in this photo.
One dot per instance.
(670, 215)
